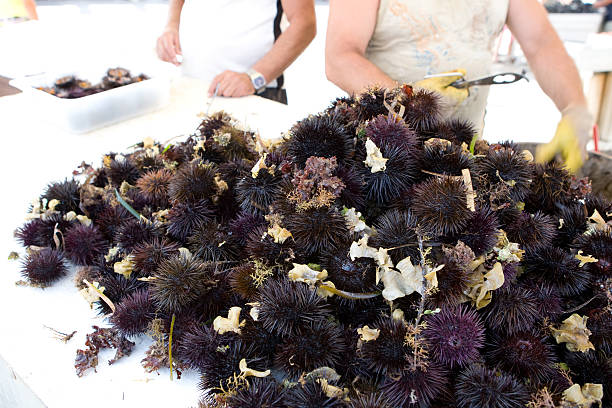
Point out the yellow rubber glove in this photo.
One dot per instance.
(441, 85)
(573, 133)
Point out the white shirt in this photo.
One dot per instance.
(219, 35)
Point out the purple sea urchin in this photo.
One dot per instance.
(148, 255)
(179, 282)
(121, 170)
(387, 354)
(193, 182)
(132, 233)
(513, 309)
(481, 231)
(396, 229)
(599, 245)
(256, 194)
(416, 388)
(320, 136)
(445, 158)
(185, 218)
(311, 395)
(319, 344)
(423, 110)
(83, 244)
(533, 230)
(286, 307)
(454, 336)
(261, 393)
(44, 266)
(440, 206)
(134, 313)
(524, 354)
(153, 186)
(391, 129)
(67, 193)
(481, 387)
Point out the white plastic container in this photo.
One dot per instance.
(98, 110)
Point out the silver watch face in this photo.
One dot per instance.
(259, 82)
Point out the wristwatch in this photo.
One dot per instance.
(258, 80)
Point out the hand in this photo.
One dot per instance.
(168, 46)
(573, 133)
(232, 84)
(441, 85)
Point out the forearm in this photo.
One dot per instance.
(174, 13)
(352, 72)
(288, 46)
(556, 73)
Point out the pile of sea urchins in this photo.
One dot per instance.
(376, 256)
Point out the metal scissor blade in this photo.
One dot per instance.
(497, 79)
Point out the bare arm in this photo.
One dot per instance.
(292, 42)
(349, 29)
(168, 44)
(553, 67)
(602, 3)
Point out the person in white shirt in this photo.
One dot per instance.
(237, 45)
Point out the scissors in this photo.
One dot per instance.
(497, 79)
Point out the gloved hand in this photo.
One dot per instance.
(572, 135)
(441, 85)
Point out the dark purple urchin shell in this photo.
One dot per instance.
(352, 194)
(211, 123)
(387, 354)
(263, 342)
(402, 170)
(221, 365)
(240, 279)
(533, 231)
(39, 231)
(524, 354)
(512, 309)
(193, 182)
(286, 307)
(261, 393)
(241, 227)
(416, 388)
(370, 400)
(600, 203)
(447, 159)
(600, 325)
(255, 195)
(153, 187)
(109, 220)
(454, 336)
(260, 245)
(134, 313)
(510, 270)
(122, 170)
(67, 193)
(558, 269)
(481, 231)
(198, 341)
(317, 229)
(548, 301)
(456, 130)
(599, 245)
(179, 282)
(148, 255)
(369, 104)
(573, 225)
(440, 206)
(185, 218)
(356, 276)
(504, 167)
(481, 387)
(453, 281)
(310, 395)
(211, 244)
(133, 232)
(319, 344)
(84, 244)
(320, 136)
(423, 110)
(550, 186)
(396, 228)
(592, 367)
(391, 129)
(43, 267)
(116, 288)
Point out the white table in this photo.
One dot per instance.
(35, 369)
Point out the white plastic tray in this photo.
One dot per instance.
(98, 110)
